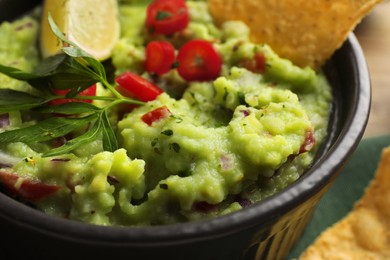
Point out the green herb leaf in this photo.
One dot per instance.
(110, 142)
(45, 130)
(71, 108)
(12, 100)
(74, 52)
(63, 72)
(16, 73)
(74, 70)
(89, 136)
(77, 52)
(97, 67)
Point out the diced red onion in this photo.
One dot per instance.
(7, 161)
(112, 180)
(245, 112)
(24, 26)
(227, 162)
(57, 142)
(203, 206)
(244, 202)
(4, 120)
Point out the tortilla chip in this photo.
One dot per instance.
(365, 232)
(306, 32)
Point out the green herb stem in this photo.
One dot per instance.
(124, 101)
(111, 88)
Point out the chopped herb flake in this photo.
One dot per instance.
(175, 65)
(225, 95)
(175, 147)
(164, 186)
(161, 15)
(177, 118)
(168, 132)
(154, 142)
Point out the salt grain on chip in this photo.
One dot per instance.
(305, 31)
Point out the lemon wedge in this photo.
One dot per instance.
(92, 25)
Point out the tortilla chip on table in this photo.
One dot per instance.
(365, 232)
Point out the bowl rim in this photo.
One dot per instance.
(263, 211)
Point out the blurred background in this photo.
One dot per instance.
(373, 34)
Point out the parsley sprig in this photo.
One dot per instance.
(73, 69)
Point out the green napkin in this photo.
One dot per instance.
(348, 188)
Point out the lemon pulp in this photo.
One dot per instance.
(92, 25)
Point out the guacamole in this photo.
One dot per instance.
(216, 147)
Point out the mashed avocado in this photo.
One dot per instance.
(221, 145)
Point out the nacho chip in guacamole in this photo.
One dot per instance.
(306, 32)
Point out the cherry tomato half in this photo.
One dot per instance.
(134, 86)
(160, 56)
(167, 16)
(198, 61)
(91, 91)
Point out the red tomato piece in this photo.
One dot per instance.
(309, 142)
(160, 56)
(26, 188)
(91, 91)
(134, 86)
(198, 61)
(167, 16)
(156, 115)
(257, 64)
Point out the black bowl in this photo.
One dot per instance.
(265, 230)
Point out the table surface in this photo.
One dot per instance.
(373, 34)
